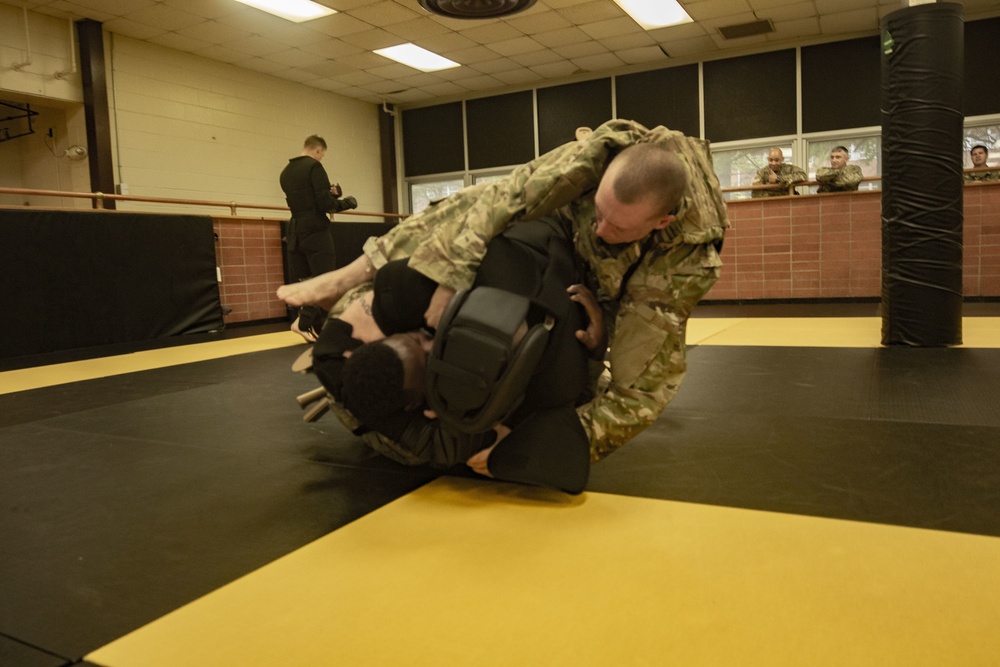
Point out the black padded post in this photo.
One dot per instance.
(922, 71)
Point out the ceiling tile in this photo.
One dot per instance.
(391, 70)
(543, 22)
(255, 45)
(357, 78)
(416, 29)
(332, 48)
(516, 76)
(106, 7)
(561, 37)
(295, 74)
(612, 27)
(296, 58)
(212, 32)
(222, 54)
(470, 56)
(580, 50)
(483, 82)
(799, 10)
(703, 44)
(556, 70)
(512, 47)
(384, 13)
(493, 32)
(796, 28)
(372, 39)
(209, 9)
(444, 89)
(362, 60)
(178, 42)
(130, 28)
(261, 65)
(844, 22)
(162, 16)
(339, 25)
(709, 9)
(591, 12)
(630, 41)
(542, 57)
(596, 63)
(643, 54)
(449, 42)
(494, 66)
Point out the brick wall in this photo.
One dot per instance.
(807, 247)
(831, 246)
(248, 254)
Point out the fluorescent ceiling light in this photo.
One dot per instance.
(655, 13)
(417, 57)
(296, 11)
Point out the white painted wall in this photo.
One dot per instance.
(182, 126)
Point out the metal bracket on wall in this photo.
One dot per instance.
(26, 114)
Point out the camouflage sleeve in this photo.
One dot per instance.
(827, 175)
(793, 175)
(852, 176)
(447, 241)
(648, 357)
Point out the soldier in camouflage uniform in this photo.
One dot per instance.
(839, 176)
(777, 172)
(647, 287)
(979, 155)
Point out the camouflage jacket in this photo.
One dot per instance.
(787, 174)
(839, 180)
(670, 270)
(982, 175)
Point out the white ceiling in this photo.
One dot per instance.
(555, 41)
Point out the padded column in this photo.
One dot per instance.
(922, 118)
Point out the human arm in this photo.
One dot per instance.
(791, 174)
(595, 336)
(648, 355)
(447, 240)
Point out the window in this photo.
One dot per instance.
(985, 135)
(487, 178)
(737, 167)
(864, 151)
(422, 194)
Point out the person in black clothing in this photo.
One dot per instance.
(310, 196)
(540, 440)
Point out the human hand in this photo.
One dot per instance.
(772, 177)
(442, 297)
(479, 462)
(348, 203)
(595, 336)
(335, 189)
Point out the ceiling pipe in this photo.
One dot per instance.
(72, 54)
(27, 42)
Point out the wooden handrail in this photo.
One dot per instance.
(98, 199)
(789, 188)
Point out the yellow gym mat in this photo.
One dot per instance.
(89, 369)
(477, 573)
(819, 331)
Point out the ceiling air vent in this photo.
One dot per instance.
(746, 29)
(475, 9)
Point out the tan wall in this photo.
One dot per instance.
(182, 126)
(37, 160)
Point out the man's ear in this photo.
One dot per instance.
(665, 221)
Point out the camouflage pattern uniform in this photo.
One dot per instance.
(839, 180)
(984, 175)
(787, 174)
(673, 268)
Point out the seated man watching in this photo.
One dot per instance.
(530, 397)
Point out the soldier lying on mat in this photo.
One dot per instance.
(497, 385)
(648, 220)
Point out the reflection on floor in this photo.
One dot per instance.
(808, 498)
